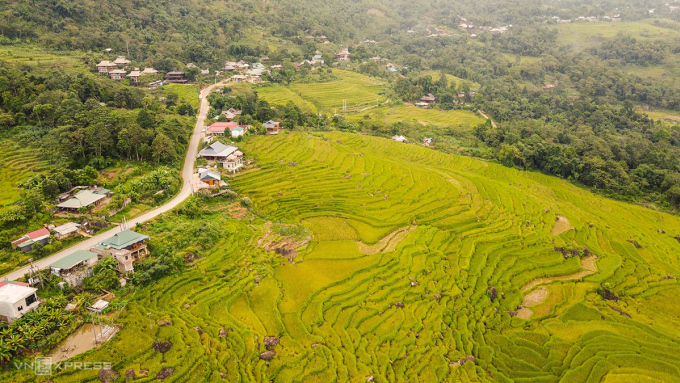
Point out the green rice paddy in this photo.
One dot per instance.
(411, 113)
(358, 91)
(281, 95)
(454, 242)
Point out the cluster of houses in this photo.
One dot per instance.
(117, 70)
(244, 72)
(126, 247)
(61, 232)
(590, 19)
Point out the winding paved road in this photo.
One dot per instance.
(187, 176)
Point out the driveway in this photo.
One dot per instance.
(187, 175)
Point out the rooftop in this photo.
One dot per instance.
(73, 259)
(124, 239)
(217, 149)
(13, 293)
(68, 227)
(81, 199)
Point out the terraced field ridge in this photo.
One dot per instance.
(410, 265)
(16, 165)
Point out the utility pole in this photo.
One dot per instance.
(150, 325)
(94, 330)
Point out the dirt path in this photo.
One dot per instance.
(561, 225)
(487, 117)
(587, 263)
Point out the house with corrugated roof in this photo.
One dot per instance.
(75, 267)
(126, 247)
(272, 127)
(25, 242)
(209, 177)
(217, 151)
(67, 230)
(84, 198)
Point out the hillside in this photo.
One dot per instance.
(415, 260)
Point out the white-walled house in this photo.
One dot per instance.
(16, 299)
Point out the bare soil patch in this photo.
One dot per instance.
(561, 225)
(587, 263)
(524, 313)
(386, 243)
(535, 297)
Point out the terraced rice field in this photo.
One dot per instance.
(411, 113)
(16, 164)
(414, 273)
(281, 95)
(357, 89)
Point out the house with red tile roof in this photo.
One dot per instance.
(218, 128)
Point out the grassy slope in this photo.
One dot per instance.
(186, 92)
(478, 225)
(585, 35)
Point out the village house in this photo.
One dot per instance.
(227, 114)
(234, 161)
(219, 128)
(217, 152)
(25, 243)
(428, 99)
(125, 247)
(75, 267)
(67, 230)
(134, 76)
(399, 138)
(84, 198)
(317, 59)
(176, 77)
(117, 74)
(105, 67)
(121, 61)
(16, 299)
(239, 130)
(209, 177)
(149, 71)
(422, 104)
(272, 127)
(428, 141)
(343, 55)
(238, 78)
